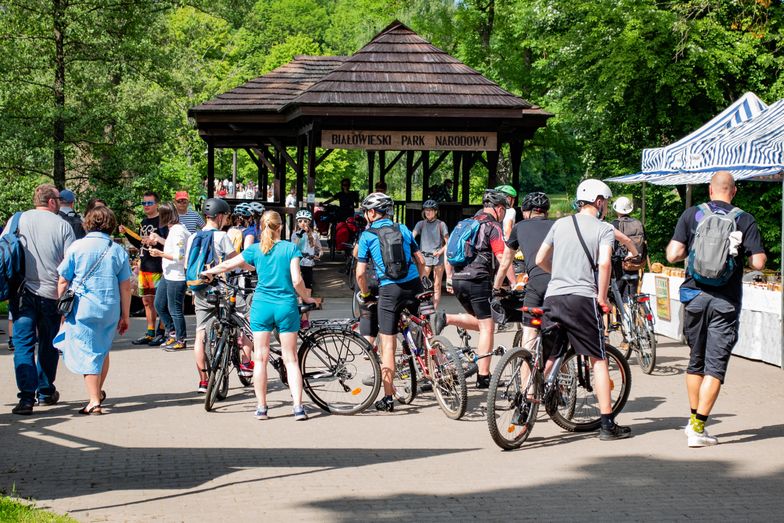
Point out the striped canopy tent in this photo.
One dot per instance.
(668, 165)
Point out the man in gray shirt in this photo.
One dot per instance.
(577, 251)
(44, 237)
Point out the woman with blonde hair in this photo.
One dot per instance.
(274, 306)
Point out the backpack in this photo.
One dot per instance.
(76, 223)
(200, 257)
(11, 260)
(390, 241)
(634, 230)
(460, 247)
(710, 262)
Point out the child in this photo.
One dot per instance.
(309, 244)
(434, 236)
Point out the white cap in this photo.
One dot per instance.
(590, 189)
(623, 205)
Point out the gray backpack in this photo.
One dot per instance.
(710, 262)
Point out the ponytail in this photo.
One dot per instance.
(270, 222)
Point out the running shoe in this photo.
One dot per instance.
(23, 408)
(144, 340)
(616, 432)
(168, 342)
(483, 382)
(177, 346)
(246, 369)
(700, 439)
(300, 414)
(157, 341)
(386, 404)
(261, 413)
(202, 387)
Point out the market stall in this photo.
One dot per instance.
(759, 337)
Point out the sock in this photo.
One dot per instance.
(150, 331)
(698, 423)
(691, 418)
(607, 421)
(388, 399)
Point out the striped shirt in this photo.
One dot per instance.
(192, 221)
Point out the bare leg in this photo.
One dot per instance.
(438, 275)
(104, 372)
(693, 384)
(388, 346)
(247, 348)
(463, 320)
(601, 385)
(198, 352)
(709, 392)
(288, 347)
(485, 345)
(149, 310)
(93, 384)
(261, 352)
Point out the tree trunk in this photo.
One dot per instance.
(487, 27)
(58, 15)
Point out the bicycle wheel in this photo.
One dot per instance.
(405, 378)
(215, 368)
(518, 339)
(576, 408)
(646, 339)
(512, 403)
(335, 366)
(446, 372)
(355, 306)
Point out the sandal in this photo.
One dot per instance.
(92, 411)
(103, 396)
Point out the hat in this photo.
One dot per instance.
(181, 195)
(67, 196)
(623, 205)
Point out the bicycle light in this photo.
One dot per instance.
(536, 322)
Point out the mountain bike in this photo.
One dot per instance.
(519, 386)
(635, 322)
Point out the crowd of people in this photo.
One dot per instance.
(75, 292)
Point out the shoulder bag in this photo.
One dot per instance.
(65, 302)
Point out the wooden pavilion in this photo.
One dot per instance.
(397, 98)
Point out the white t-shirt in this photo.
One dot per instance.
(221, 244)
(509, 220)
(174, 270)
(291, 200)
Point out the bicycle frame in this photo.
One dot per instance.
(420, 356)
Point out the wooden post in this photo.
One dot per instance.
(311, 165)
(382, 166)
(301, 167)
(468, 162)
(371, 167)
(516, 153)
(409, 173)
(492, 168)
(425, 174)
(210, 171)
(280, 178)
(456, 158)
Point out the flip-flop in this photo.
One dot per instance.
(95, 410)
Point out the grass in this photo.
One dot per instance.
(13, 509)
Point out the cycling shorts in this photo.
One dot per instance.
(368, 317)
(581, 320)
(474, 296)
(307, 276)
(392, 299)
(535, 290)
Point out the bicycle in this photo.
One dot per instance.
(332, 358)
(636, 323)
(431, 357)
(518, 387)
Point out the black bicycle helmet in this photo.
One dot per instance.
(493, 198)
(378, 201)
(430, 204)
(536, 201)
(215, 206)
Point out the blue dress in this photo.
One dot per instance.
(87, 333)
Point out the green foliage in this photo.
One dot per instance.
(12, 509)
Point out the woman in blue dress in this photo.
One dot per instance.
(274, 306)
(98, 271)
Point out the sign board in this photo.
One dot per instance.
(409, 140)
(663, 298)
(311, 197)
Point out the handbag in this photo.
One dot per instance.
(65, 302)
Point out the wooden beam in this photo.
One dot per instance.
(371, 155)
(323, 156)
(409, 173)
(456, 158)
(253, 157)
(266, 158)
(439, 161)
(301, 163)
(382, 173)
(468, 161)
(210, 171)
(516, 152)
(391, 164)
(492, 168)
(284, 153)
(426, 173)
(481, 159)
(280, 179)
(311, 164)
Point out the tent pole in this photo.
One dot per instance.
(642, 208)
(781, 275)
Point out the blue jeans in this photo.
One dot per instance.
(169, 302)
(36, 320)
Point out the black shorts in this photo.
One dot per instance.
(535, 290)
(368, 317)
(710, 325)
(581, 320)
(392, 299)
(474, 296)
(307, 276)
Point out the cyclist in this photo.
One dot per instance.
(528, 236)
(378, 243)
(309, 244)
(347, 200)
(239, 220)
(472, 283)
(433, 235)
(634, 230)
(274, 306)
(510, 217)
(216, 211)
(577, 253)
(252, 233)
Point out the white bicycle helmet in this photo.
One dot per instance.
(590, 189)
(378, 201)
(256, 208)
(304, 214)
(623, 205)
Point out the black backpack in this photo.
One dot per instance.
(76, 223)
(390, 241)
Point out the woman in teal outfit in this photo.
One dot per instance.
(274, 306)
(98, 271)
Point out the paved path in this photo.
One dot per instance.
(158, 456)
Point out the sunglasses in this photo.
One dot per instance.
(182, 201)
(148, 204)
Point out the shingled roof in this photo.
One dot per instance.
(400, 68)
(271, 92)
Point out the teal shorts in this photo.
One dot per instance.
(266, 316)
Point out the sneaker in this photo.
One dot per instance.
(202, 387)
(144, 340)
(246, 369)
(178, 345)
(157, 341)
(10, 346)
(261, 413)
(616, 432)
(439, 322)
(23, 408)
(700, 439)
(300, 414)
(385, 405)
(49, 400)
(483, 382)
(168, 342)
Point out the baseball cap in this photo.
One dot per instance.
(181, 195)
(67, 196)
